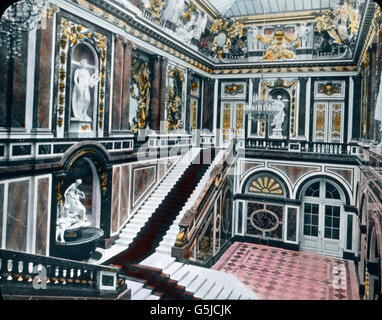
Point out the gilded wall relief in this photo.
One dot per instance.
(336, 30)
(234, 90)
(336, 122)
(320, 121)
(175, 98)
(194, 113)
(227, 37)
(139, 94)
(226, 121)
(195, 87)
(329, 89)
(239, 117)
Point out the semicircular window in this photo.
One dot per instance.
(266, 183)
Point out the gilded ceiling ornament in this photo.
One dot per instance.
(155, 8)
(140, 80)
(194, 86)
(190, 10)
(227, 34)
(341, 24)
(276, 45)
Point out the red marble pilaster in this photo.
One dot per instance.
(154, 109)
(117, 84)
(126, 85)
(43, 84)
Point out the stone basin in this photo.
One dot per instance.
(80, 243)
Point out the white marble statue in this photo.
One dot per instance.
(378, 108)
(73, 212)
(279, 117)
(251, 38)
(83, 81)
(173, 10)
(302, 33)
(340, 22)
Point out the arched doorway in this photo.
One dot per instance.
(374, 265)
(322, 217)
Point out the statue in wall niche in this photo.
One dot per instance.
(173, 10)
(251, 38)
(302, 32)
(279, 117)
(73, 212)
(83, 81)
(378, 109)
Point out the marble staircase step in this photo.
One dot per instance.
(214, 292)
(225, 293)
(204, 289)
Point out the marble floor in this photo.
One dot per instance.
(280, 274)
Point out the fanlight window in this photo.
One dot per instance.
(266, 184)
(313, 190)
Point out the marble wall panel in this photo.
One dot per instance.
(125, 199)
(162, 168)
(115, 199)
(17, 215)
(42, 215)
(143, 179)
(295, 172)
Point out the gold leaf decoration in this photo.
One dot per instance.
(267, 185)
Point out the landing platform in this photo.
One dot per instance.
(280, 274)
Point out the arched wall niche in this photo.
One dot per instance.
(84, 79)
(89, 162)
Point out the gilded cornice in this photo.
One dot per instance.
(286, 70)
(132, 30)
(370, 35)
(133, 27)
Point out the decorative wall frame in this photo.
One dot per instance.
(329, 89)
(140, 80)
(194, 113)
(234, 90)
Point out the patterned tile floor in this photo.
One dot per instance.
(280, 274)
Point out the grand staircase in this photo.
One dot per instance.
(152, 230)
(143, 250)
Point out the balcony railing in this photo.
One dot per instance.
(301, 146)
(28, 274)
